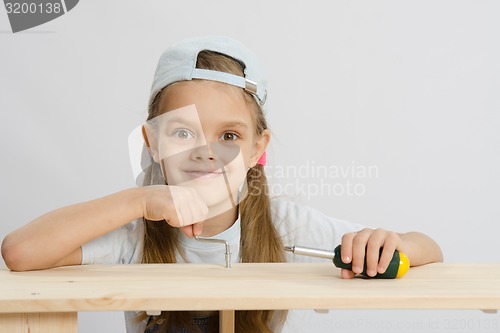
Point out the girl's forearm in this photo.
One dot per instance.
(47, 240)
(421, 249)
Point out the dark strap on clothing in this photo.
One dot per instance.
(204, 324)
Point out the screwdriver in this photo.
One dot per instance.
(398, 266)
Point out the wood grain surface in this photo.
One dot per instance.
(245, 287)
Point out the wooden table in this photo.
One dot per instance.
(48, 301)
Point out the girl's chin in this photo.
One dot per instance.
(217, 208)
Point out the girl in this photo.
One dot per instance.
(206, 135)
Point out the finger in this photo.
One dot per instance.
(181, 199)
(346, 247)
(346, 274)
(172, 217)
(200, 203)
(184, 214)
(359, 250)
(197, 208)
(375, 242)
(390, 244)
(171, 208)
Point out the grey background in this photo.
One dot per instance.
(408, 87)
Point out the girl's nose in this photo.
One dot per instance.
(215, 152)
(203, 153)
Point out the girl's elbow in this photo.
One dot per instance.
(439, 254)
(436, 254)
(13, 256)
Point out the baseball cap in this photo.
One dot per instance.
(178, 63)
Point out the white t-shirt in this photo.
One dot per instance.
(296, 224)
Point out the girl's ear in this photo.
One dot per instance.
(260, 146)
(151, 141)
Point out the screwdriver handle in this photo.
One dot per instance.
(398, 266)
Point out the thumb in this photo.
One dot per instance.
(346, 274)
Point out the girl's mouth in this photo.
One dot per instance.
(201, 174)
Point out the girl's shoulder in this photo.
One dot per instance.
(284, 208)
(300, 224)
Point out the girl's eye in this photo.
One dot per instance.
(229, 136)
(183, 134)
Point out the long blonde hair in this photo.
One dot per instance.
(257, 229)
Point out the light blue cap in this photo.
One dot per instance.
(178, 63)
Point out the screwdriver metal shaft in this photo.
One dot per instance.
(311, 252)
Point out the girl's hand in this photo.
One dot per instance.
(180, 206)
(369, 241)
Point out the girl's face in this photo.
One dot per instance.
(205, 138)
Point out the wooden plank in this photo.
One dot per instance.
(245, 287)
(39, 322)
(226, 321)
